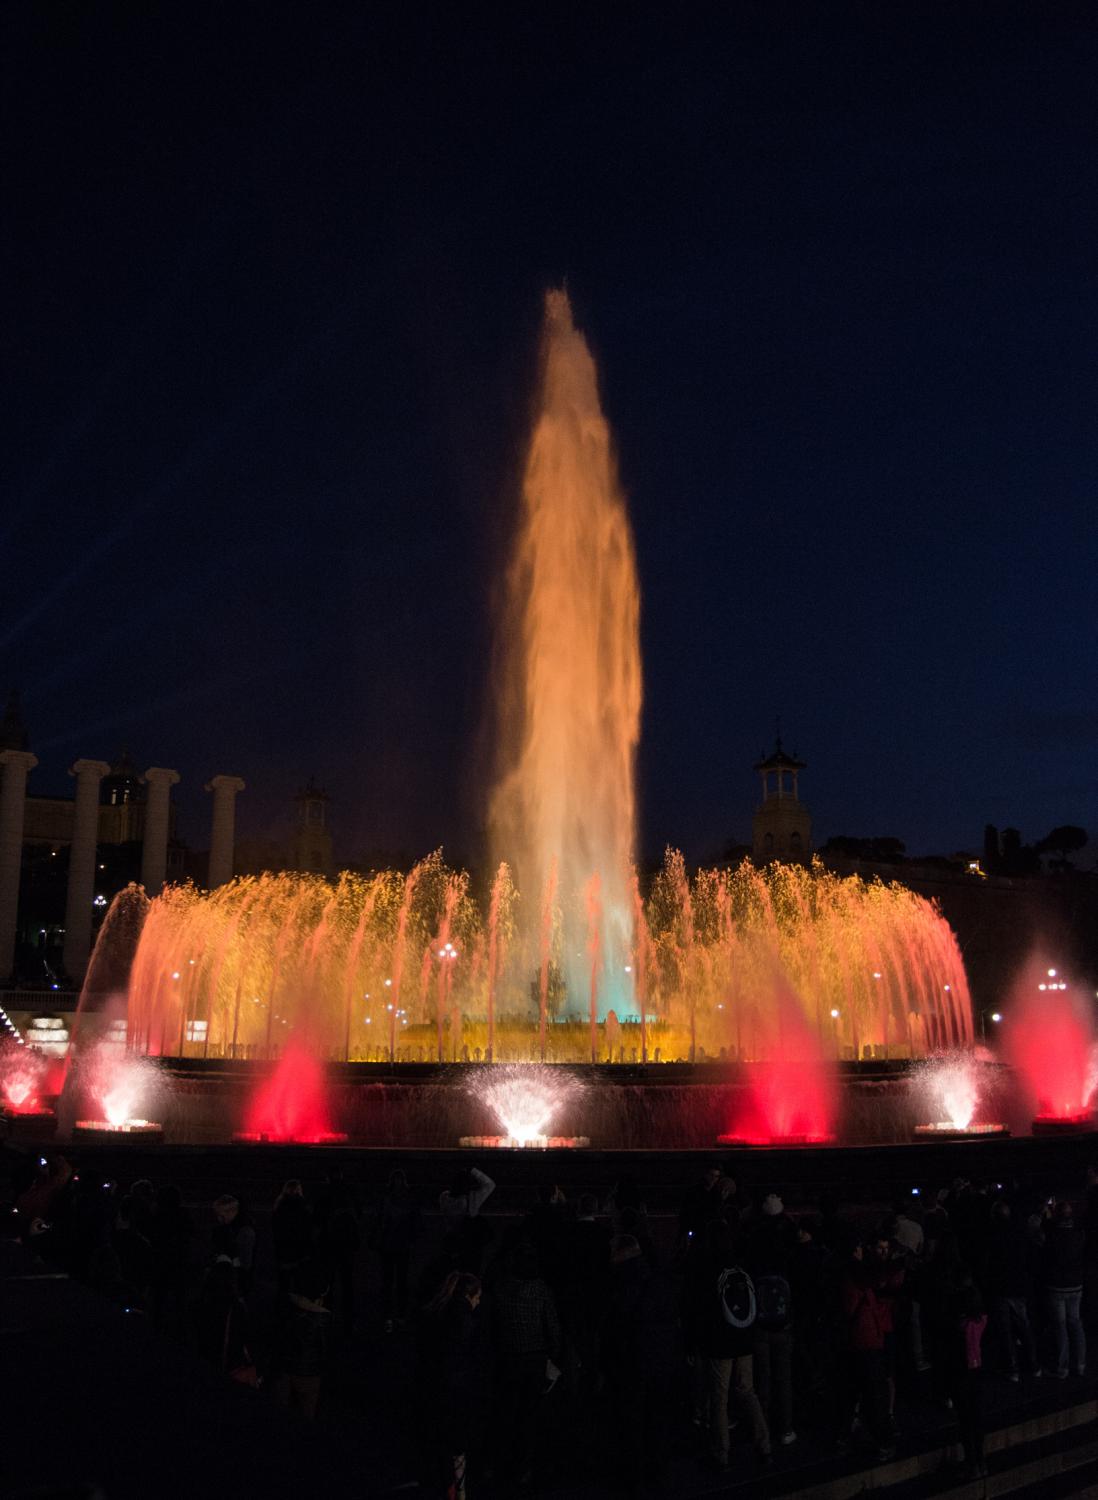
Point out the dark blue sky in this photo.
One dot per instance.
(272, 281)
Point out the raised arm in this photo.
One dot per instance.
(481, 1192)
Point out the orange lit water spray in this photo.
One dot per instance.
(570, 685)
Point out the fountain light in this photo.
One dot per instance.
(122, 1085)
(792, 1099)
(1050, 1042)
(22, 1076)
(291, 1106)
(949, 1088)
(525, 1100)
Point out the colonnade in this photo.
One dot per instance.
(15, 766)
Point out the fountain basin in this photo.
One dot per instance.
(265, 1138)
(90, 1130)
(946, 1130)
(28, 1124)
(1063, 1124)
(530, 1143)
(776, 1140)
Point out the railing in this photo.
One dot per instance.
(44, 1000)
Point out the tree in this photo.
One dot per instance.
(1062, 841)
(888, 850)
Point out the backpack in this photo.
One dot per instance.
(736, 1293)
(774, 1301)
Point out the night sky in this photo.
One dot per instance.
(272, 285)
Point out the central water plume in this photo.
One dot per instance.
(948, 1088)
(119, 1087)
(569, 700)
(292, 1104)
(792, 1096)
(525, 1100)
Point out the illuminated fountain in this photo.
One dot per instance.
(568, 688)
(121, 1084)
(949, 1088)
(291, 1106)
(22, 1075)
(410, 968)
(525, 1101)
(23, 1080)
(792, 1095)
(562, 956)
(1049, 1040)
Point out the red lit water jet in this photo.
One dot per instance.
(292, 1104)
(22, 1076)
(1049, 1041)
(791, 1099)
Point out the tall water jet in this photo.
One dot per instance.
(792, 1097)
(1050, 1042)
(569, 694)
(292, 1104)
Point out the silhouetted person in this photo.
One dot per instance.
(867, 1319)
(707, 1199)
(635, 1224)
(1009, 1283)
(809, 1274)
(1090, 1263)
(718, 1329)
(302, 1341)
(452, 1392)
(397, 1228)
(546, 1228)
(1062, 1282)
(587, 1260)
(292, 1231)
(173, 1246)
(221, 1333)
(961, 1360)
(460, 1205)
(770, 1254)
(134, 1252)
(632, 1334)
(527, 1342)
(339, 1240)
(234, 1237)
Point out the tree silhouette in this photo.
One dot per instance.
(1062, 841)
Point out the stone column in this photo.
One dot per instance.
(225, 789)
(13, 798)
(85, 837)
(154, 850)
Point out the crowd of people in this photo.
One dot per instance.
(538, 1329)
